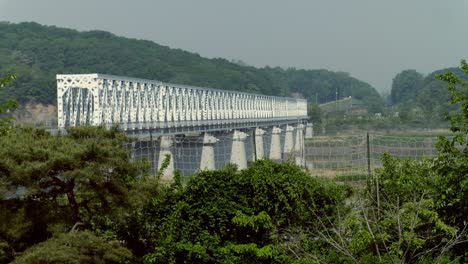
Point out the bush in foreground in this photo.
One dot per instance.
(230, 216)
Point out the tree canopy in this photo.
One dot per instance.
(89, 167)
(452, 162)
(404, 85)
(230, 216)
(5, 118)
(53, 183)
(76, 248)
(423, 98)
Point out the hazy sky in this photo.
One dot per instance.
(371, 39)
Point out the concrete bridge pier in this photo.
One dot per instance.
(288, 143)
(132, 150)
(238, 155)
(259, 143)
(275, 149)
(309, 133)
(165, 149)
(299, 146)
(208, 158)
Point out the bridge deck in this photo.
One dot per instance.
(186, 127)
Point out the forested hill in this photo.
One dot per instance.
(37, 53)
(423, 98)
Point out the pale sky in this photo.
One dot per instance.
(371, 39)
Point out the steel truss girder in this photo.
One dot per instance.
(98, 99)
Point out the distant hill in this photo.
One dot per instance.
(423, 98)
(36, 53)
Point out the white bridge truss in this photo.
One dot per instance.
(138, 104)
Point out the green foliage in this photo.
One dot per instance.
(5, 253)
(413, 211)
(424, 101)
(395, 220)
(53, 182)
(404, 85)
(405, 180)
(410, 212)
(164, 165)
(452, 162)
(315, 114)
(458, 89)
(39, 52)
(254, 222)
(230, 216)
(321, 86)
(76, 247)
(5, 119)
(7, 79)
(23, 223)
(410, 226)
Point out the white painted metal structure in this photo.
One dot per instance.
(98, 99)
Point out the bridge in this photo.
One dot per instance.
(154, 111)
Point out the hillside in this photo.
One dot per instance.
(421, 98)
(36, 53)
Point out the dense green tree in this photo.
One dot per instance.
(5, 117)
(90, 163)
(76, 248)
(395, 219)
(315, 114)
(230, 216)
(7, 79)
(452, 162)
(405, 85)
(55, 183)
(423, 101)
